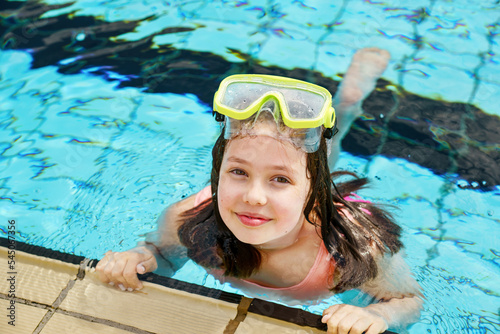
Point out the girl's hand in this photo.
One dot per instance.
(348, 319)
(121, 268)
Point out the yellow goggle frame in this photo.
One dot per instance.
(242, 95)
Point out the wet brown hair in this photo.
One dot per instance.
(352, 244)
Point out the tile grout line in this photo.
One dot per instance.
(241, 314)
(64, 292)
(54, 308)
(85, 317)
(102, 321)
(25, 301)
(84, 265)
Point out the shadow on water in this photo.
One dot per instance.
(453, 139)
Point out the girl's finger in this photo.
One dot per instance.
(362, 325)
(339, 320)
(103, 269)
(149, 263)
(328, 312)
(130, 276)
(345, 323)
(116, 274)
(377, 328)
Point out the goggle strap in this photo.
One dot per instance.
(330, 132)
(218, 116)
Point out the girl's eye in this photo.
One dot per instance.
(237, 172)
(281, 179)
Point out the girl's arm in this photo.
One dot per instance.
(399, 296)
(121, 268)
(169, 222)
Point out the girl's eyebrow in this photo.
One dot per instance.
(238, 160)
(246, 162)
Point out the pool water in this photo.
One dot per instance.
(105, 109)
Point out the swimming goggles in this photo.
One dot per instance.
(303, 105)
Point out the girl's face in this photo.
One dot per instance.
(263, 188)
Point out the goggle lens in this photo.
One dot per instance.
(300, 104)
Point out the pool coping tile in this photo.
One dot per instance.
(29, 276)
(255, 323)
(62, 324)
(25, 318)
(152, 309)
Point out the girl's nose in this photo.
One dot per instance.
(255, 194)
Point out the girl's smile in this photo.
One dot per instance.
(251, 219)
(263, 188)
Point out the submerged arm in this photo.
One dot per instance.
(399, 295)
(399, 302)
(164, 243)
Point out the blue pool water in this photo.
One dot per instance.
(105, 113)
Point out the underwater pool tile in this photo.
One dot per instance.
(428, 54)
(26, 318)
(333, 59)
(44, 194)
(155, 26)
(89, 131)
(175, 40)
(488, 71)
(32, 275)
(455, 44)
(470, 202)
(155, 308)
(19, 62)
(278, 47)
(486, 98)
(314, 13)
(173, 112)
(375, 23)
(116, 105)
(411, 210)
(426, 80)
(399, 46)
(299, 32)
(230, 11)
(466, 233)
(472, 279)
(398, 179)
(219, 37)
(63, 324)
(257, 324)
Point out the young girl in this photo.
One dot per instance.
(272, 220)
